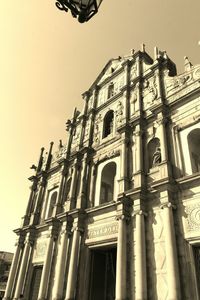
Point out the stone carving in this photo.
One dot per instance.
(87, 129)
(76, 138)
(97, 130)
(193, 219)
(156, 157)
(178, 82)
(119, 113)
(68, 124)
(107, 155)
(197, 73)
(177, 95)
(90, 102)
(105, 230)
(40, 250)
(134, 71)
(150, 92)
(133, 101)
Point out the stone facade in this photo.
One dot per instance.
(122, 197)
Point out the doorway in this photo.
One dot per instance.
(35, 282)
(102, 274)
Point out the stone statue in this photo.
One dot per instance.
(156, 157)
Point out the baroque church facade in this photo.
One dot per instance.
(115, 212)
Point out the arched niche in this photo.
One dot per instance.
(110, 90)
(194, 149)
(153, 151)
(52, 201)
(107, 187)
(108, 123)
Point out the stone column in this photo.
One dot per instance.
(178, 150)
(40, 198)
(61, 262)
(92, 184)
(72, 192)
(138, 154)
(42, 295)
(23, 266)
(163, 145)
(73, 265)
(140, 257)
(171, 253)
(13, 269)
(81, 201)
(57, 208)
(123, 182)
(120, 290)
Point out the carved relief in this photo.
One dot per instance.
(87, 128)
(119, 113)
(174, 84)
(96, 139)
(150, 92)
(193, 217)
(133, 102)
(134, 71)
(40, 250)
(76, 138)
(90, 102)
(107, 155)
(100, 231)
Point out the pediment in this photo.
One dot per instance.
(112, 66)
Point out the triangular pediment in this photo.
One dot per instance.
(112, 66)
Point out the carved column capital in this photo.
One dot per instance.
(140, 213)
(123, 217)
(168, 205)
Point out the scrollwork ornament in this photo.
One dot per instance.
(193, 217)
(140, 212)
(167, 205)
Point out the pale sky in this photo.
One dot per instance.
(48, 59)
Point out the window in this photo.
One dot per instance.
(154, 153)
(108, 123)
(194, 149)
(108, 183)
(52, 202)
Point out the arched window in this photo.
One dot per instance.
(52, 202)
(108, 183)
(194, 149)
(154, 153)
(108, 123)
(110, 90)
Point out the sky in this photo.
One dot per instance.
(48, 59)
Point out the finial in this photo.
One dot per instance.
(187, 64)
(60, 144)
(33, 167)
(156, 52)
(165, 54)
(143, 47)
(132, 51)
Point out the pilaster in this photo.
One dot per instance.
(53, 235)
(13, 270)
(78, 228)
(171, 248)
(28, 246)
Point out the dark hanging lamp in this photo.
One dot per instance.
(83, 10)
